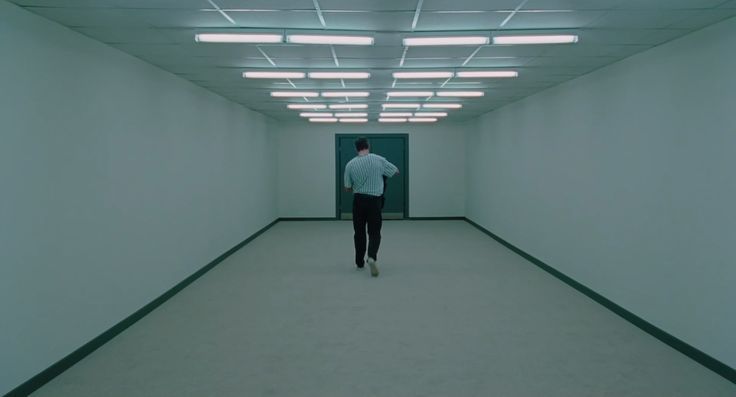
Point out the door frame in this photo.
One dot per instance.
(405, 171)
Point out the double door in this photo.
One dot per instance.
(394, 148)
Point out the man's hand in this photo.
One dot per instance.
(348, 189)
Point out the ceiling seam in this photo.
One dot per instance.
(223, 13)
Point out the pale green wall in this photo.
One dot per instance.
(306, 167)
(117, 181)
(625, 180)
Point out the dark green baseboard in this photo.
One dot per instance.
(684, 348)
(436, 218)
(308, 219)
(411, 218)
(65, 363)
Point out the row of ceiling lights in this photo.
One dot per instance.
(365, 94)
(260, 38)
(351, 106)
(382, 114)
(380, 120)
(361, 117)
(367, 75)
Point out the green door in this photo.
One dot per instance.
(394, 149)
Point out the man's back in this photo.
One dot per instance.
(365, 174)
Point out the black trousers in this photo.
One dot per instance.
(366, 212)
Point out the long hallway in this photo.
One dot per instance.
(453, 313)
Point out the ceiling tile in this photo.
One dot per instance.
(571, 4)
(458, 21)
(553, 20)
(649, 19)
(372, 5)
(469, 5)
(704, 18)
(668, 4)
(263, 4)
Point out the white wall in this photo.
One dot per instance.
(625, 180)
(117, 181)
(306, 167)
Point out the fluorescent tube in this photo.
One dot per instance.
(488, 73)
(341, 115)
(238, 38)
(422, 75)
(349, 106)
(438, 105)
(442, 41)
(399, 94)
(430, 114)
(339, 75)
(332, 40)
(343, 94)
(396, 114)
(303, 106)
(273, 75)
(315, 115)
(460, 93)
(294, 94)
(400, 105)
(536, 39)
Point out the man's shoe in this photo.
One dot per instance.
(374, 268)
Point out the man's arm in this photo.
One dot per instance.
(348, 182)
(389, 169)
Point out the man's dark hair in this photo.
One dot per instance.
(361, 144)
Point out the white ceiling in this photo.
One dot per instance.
(162, 32)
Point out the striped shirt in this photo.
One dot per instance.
(364, 174)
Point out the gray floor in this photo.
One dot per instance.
(452, 314)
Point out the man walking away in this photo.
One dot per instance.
(364, 177)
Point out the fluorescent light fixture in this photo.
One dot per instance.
(238, 38)
(441, 41)
(396, 114)
(400, 105)
(423, 75)
(422, 119)
(343, 94)
(488, 74)
(339, 75)
(331, 40)
(460, 93)
(340, 115)
(323, 120)
(274, 75)
(294, 94)
(536, 39)
(438, 105)
(430, 114)
(399, 94)
(391, 120)
(363, 120)
(349, 106)
(317, 115)
(306, 106)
